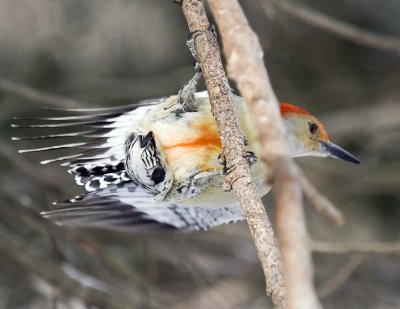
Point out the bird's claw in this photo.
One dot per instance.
(225, 170)
(190, 44)
(221, 159)
(212, 29)
(248, 155)
(251, 157)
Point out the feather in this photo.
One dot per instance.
(113, 109)
(52, 147)
(95, 144)
(105, 141)
(78, 117)
(58, 125)
(129, 207)
(72, 134)
(73, 156)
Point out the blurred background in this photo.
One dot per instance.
(104, 53)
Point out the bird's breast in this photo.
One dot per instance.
(190, 143)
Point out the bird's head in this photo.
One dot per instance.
(306, 135)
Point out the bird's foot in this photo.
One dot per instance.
(248, 155)
(191, 46)
(186, 93)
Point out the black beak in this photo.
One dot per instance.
(339, 153)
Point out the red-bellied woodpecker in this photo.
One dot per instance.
(155, 164)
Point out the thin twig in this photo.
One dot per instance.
(361, 247)
(341, 275)
(320, 203)
(37, 96)
(337, 27)
(245, 65)
(233, 143)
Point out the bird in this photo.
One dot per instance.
(154, 165)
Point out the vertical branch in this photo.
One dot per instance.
(233, 143)
(245, 65)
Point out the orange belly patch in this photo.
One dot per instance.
(194, 150)
(206, 137)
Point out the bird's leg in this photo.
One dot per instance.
(186, 93)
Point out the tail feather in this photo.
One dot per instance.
(62, 125)
(113, 109)
(51, 136)
(72, 159)
(71, 145)
(103, 117)
(98, 141)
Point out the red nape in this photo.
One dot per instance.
(287, 108)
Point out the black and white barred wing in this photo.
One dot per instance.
(96, 152)
(128, 207)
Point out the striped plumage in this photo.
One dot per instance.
(128, 207)
(100, 165)
(154, 165)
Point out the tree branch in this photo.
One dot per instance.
(320, 203)
(245, 65)
(233, 143)
(360, 247)
(340, 275)
(37, 96)
(337, 27)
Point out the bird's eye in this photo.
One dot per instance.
(313, 127)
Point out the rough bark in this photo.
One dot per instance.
(245, 65)
(233, 143)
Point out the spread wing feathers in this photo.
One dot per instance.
(128, 207)
(93, 183)
(98, 145)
